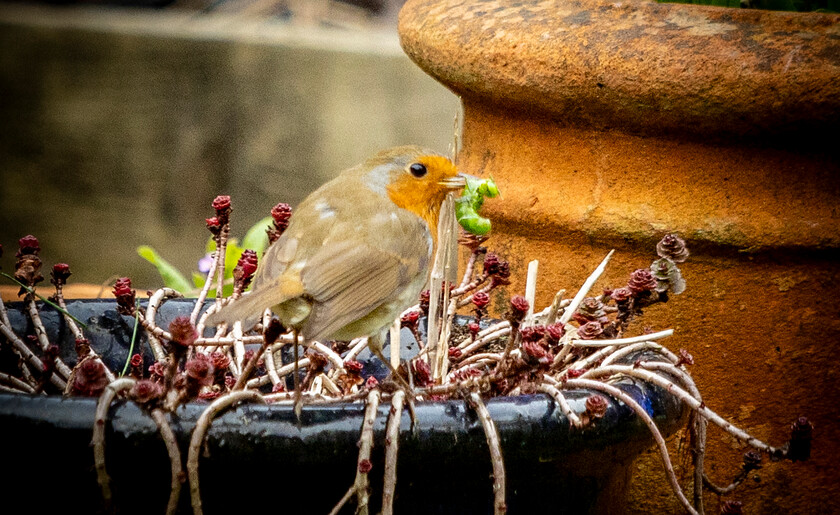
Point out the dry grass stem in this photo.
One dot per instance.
(643, 415)
(98, 440)
(499, 498)
(392, 440)
(362, 484)
(202, 426)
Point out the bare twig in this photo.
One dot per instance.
(177, 470)
(499, 500)
(363, 465)
(392, 437)
(643, 415)
(202, 426)
(98, 440)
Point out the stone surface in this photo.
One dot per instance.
(608, 124)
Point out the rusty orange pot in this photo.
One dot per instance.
(607, 124)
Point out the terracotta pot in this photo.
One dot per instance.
(608, 124)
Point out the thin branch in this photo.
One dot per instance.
(643, 415)
(499, 500)
(98, 440)
(202, 426)
(392, 439)
(363, 464)
(177, 471)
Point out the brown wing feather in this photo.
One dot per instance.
(347, 281)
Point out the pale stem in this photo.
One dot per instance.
(395, 344)
(202, 295)
(562, 404)
(468, 271)
(238, 347)
(174, 457)
(531, 291)
(41, 332)
(392, 440)
(16, 383)
(687, 398)
(149, 321)
(365, 445)
(630, 349)
(202, 426)
(77, 332)
(499, 500)
(643, 415)
(24, 351)
(584, 290)
(98, 441)
(551, 316)
(623, 341)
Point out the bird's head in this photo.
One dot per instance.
(418, 180)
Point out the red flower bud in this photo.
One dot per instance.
(200, 369)
(281, 213)
(371, 383)
(60, 273)
(480, 299)
(518, 307)
(409, 319)
(422, 372)
(221, 203)
(28, 245)
(365, 466)
(454, 353)
(136, 360)
(590, 331)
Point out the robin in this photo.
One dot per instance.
(357, 250)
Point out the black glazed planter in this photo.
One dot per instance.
(261, 457)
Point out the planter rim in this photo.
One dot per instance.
(635, 65)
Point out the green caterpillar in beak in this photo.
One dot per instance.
(468, 204)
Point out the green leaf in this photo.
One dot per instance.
(256, 238)
(198, 280)
(172, 278)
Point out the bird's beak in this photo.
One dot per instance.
(454, 183)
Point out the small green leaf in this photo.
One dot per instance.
(172, 278)
(198, 280)
(256, 238)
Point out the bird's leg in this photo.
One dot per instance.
(296, 377)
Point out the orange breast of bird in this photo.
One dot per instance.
(357, 250)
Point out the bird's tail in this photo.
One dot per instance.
(249, 308)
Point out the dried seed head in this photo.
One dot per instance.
(200, 369)
(799, 446)
(731, 507)
(621, 295)
(590, 331)
(752, 461)
(145, 391)
(183, 331)
(596, 406)
(422, 372)
(672, 247)
(60, 273)
(317, 362)
(90, 379)
(641, 281)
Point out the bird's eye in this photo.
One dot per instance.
(418, 170)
